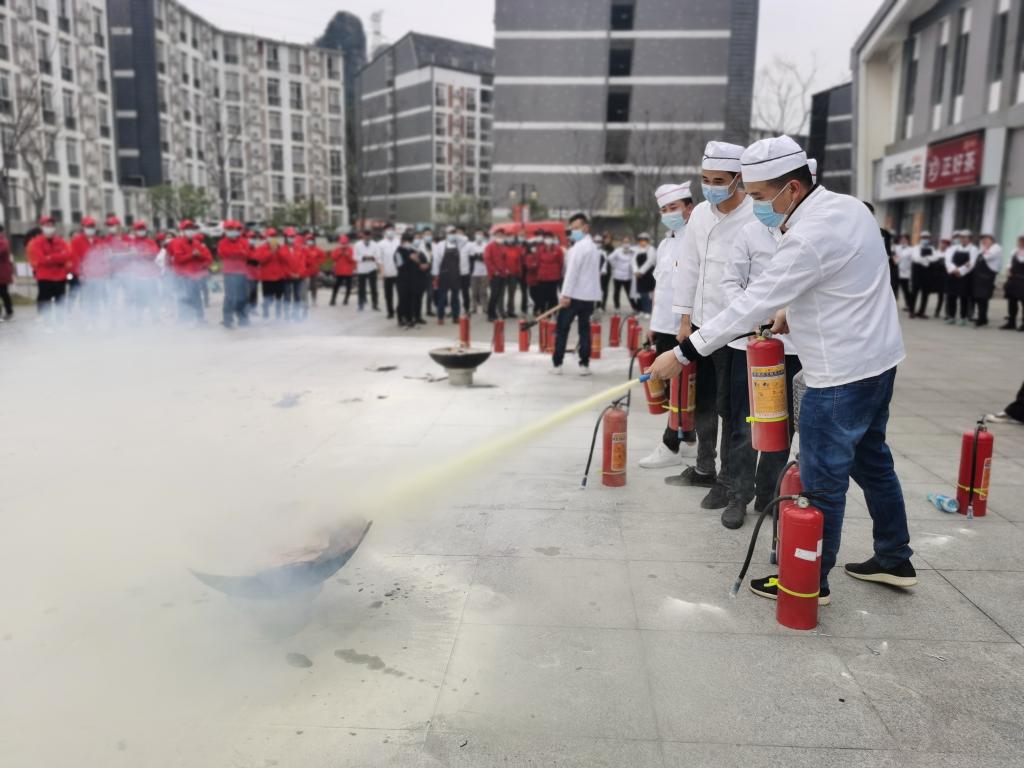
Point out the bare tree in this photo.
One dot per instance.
(583, 184)
(783, 96)
(227, 169)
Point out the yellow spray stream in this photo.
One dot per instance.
(435, 479)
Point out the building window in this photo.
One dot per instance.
(273, 92)
(273, 57)
(276, 157)
(232, 86)
(235, 154)
(440, 180)
(75, 198)
(295, 95)
(107, 165)
(237, 186)
(46, 102)
(618, 106)
(231, 50)
(104, 110)
(471, 99)
(6, 106)
(277, 188)
(620, 60)
(43, 52)
(298, 188)
(274, 126)
(960, 64)
(910, 47)
(470, 127)
(337, 193)
(333, 68)
(67, 63)
(71, 154)
(441, 153)
(295, 61)
(108, 197)
(998, 53)
(441, 95)
(298, 160)
(440, 124)
(334, 132)
(165, 145)
(98, 27)
(334, 101)
(298, 134)
(622, 15)
(335, 162)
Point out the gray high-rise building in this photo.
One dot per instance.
(425, 113)
(598, 101)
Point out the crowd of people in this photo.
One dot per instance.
(961, 273)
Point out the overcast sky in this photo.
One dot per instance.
(800, 30)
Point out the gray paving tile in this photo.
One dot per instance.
(965, 698)
(659, 535)
(551, 591)
(788, 690)
(570, 682)
(498, 747)
(999, 594)
(933, 610)
(737, 756)
(983, 543)
(304, 746)
(547, 533)
(430, 532)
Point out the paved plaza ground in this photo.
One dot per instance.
(515, 621)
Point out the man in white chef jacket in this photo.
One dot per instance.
(831, 274)
(581, 287)
(698, 296)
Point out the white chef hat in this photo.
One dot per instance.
(643, 236)
(769, 159)
(813, 165)
(668, 193)
(721, 156)
(926, 233)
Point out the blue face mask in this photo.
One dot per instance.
(767, 215)
(673, 220)
(716, 194)
(576, 235)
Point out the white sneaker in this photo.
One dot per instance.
(661, 457)
(1000, 418)
(585, 370)
(556, 371)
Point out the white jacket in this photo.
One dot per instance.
(387, 250)
(964, 269)
(621, 263)
(367, 256)
(707, 246)
(832, 272)
(663, 319)
(925, 260)
(904, 260)
(582, 271)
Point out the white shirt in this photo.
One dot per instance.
(621, 262)
(707, 246)
(367, 257)
(440, 248)
(663, 319)
(904, 260)
(752, 252)
(473, 248)
(993, 257)
(972, 257)
(832, 272)
(387, 250)
(583, 271)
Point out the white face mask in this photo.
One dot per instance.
(90, 231)
(190, 233)
(49, 231)
(141, 233)
(499, 240)
(390, 235)
(479, 238)
(256, 242)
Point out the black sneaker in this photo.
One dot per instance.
(766, 587)
(732, 517)
(760, 503)
(690, 476)
(716, 498)
(902, 575)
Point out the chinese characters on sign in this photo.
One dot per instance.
(955, 163)
(903, 174)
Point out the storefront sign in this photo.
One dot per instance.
(955, 163)
(903, 174)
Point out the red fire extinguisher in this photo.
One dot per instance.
(769, 413)
(975, 471)
(524, 336)
(682, 399)
(613, 460)
(653, 388)
(633, 330)
(464, 331)
(615, 331)
(595, 341)
(499, 335)
(798, 583)
(549, 336)
(789, 486)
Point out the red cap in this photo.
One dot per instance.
(160, 237)
(343, 239)
(187, 224)
(289, 232)
(232, 224)
(139, 225)
(270, 232)
(88, 221)
(200, 236)
(43, 220)
(113, 221)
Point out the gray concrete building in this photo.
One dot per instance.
(939, 116)
(598, 101)
(831, 136)
(425, 131)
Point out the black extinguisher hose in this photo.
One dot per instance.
(593, 439)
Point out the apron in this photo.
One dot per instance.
(1015, 280)
(983, 280)
(448, 275)
(957, 285)
(645, 283)
(919, 272)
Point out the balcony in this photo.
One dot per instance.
(273, 101)
(49, 117)
(233, 95)
(76, 217)
(105, 131)
(295, 104)
(102, 85)
(188, 115)
(188, 152)
(334, 109)
(196, 83)
(45, 66)
(184, 78)
(74, 170)
(295, 69)
(298, 167)
(58, 215)
(276, 134)
(67, 74)
(71, 123)
(230, 58)
(108, 175)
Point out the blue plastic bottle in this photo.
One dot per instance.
(944, 503)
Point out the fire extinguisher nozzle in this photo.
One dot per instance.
(645, 377)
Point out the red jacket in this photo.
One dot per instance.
(50, 258)
(88, 257)
(233, 255)
(142, 257)
(344, 261)
(514, 260)
(273, 263)
(6, 265)
(315, 258)
(189, 258)
(296, 260)
(532, 264)
(496, 259)
(551, 260)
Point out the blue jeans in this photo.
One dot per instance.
(842, 436)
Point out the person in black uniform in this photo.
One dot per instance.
(408, 260)
(937, 275)
(1014, 288)
(960, 260)
(983, 277)
(447, 278)
(920, 285)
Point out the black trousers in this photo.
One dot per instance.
(546, 296)
(340, 280)
(389, 295)
(50, 291)
(408, 298)
(367, 278)
(619, 286)
(5, 297)
(663, 342)
(751, 472)
(714, 375)
(605, 280)
(908, 296)
(1011, 309)
(957, 294)
(273, 293)
(982, 306)
(496, 303)
(580, 311)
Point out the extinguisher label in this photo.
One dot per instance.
(982, 489)
(768, 385)
(691, 393)
(619, 452)
(656, 387)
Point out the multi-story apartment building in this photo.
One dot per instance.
(256, 122)
(598, 101)
(425, 129)
(56, 112)
(939, 116)
(831, 137)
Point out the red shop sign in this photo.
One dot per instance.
(955, 163)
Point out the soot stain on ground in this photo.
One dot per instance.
(288, 400)
(299, 660)
(371, 662)
(549, 551)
